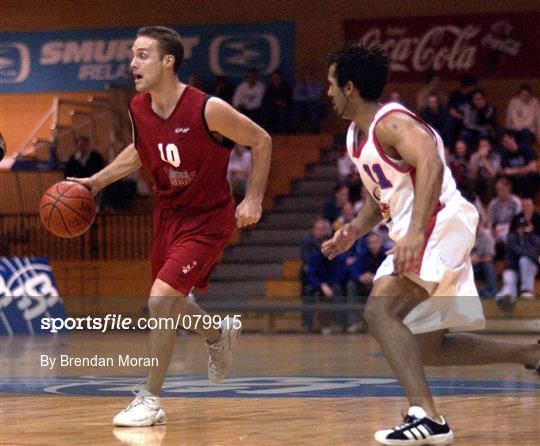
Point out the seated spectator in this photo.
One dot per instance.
(85, 162)
(345, 166)
(326, 282)
(369, 257)
(453, 166)
(436, 115)
(523, 116)
(518, 163)
(521, 263)
(333, 205)
(248, 97)
(484, 166)
(457, 102)
(395, 96)
(432, 87)
(312, 243)
(277, 104)
(347, 215)
(502, 209)
(308, 105)
(460, 158)
(479, 118)
(482, 256)
(529, 214)
(222, 88)
(196, 81)
(239, 170)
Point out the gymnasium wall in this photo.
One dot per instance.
(319, 29)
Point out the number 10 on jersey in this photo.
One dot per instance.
(170, 154)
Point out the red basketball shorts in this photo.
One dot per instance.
(186, 247)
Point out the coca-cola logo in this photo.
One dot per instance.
(444, 47)
(498, 39)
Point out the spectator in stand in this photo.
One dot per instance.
(461, 160)
(239, 170)
(85, 162)
(436, 115)
(395, 96)
(453, 166)
(347, 215)
(529, 214)
(3, 148)
(479, 118)
(308, 106)
(484, 166)
(523, 116)
(312, 243)
(482, 257)
(521, 262)
(326, 282)
(222, 88)
(370, 254)
(501, 210)
(196, 81)
(457, 102)
(432, 87)
(248, 97)
(346, 167)
(333, 205)
(518, 163)
(277, 104)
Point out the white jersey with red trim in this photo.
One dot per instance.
(391, 182)
(444, 268)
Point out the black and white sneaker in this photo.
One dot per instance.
(417, 429)
(534, 368)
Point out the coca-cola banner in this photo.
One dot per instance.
(487, 45)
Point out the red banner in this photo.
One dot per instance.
(487, 45)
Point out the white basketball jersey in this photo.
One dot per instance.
(391, 182)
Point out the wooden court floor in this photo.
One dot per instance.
(283, 390)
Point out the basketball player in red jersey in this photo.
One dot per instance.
(183, 138)
(424, 296)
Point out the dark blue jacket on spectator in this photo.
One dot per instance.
(331, 210)
(321, 270)
(365, 262)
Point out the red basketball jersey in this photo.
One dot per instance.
(188, 166)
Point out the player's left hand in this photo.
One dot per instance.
(406, 252)
(248, 212)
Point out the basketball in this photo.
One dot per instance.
(67, 209)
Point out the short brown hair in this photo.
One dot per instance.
(169, 42)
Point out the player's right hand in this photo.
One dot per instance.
(86, 182)
(342, 241)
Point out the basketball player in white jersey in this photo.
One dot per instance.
(424, 291)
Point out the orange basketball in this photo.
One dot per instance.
(67, 209)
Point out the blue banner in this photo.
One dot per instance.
(28, 293)
(90, 59)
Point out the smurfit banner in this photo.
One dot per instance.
(90, 59)
(28, 293)
(486, 45)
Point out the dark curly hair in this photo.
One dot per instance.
(366, 67)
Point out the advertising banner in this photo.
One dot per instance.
(487, 45)
(79, 60)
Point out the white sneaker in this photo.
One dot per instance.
(220, 351)
(143, 411)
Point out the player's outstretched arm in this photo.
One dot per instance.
(227, 121)
(345, 237)
(412, 141)
(125, 163)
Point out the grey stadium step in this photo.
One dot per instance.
(301, 203)
(274, 236)
(322, 172)
(232, 289)
(261, 253)
(246, 271)
(302, 220)
(313, 187)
